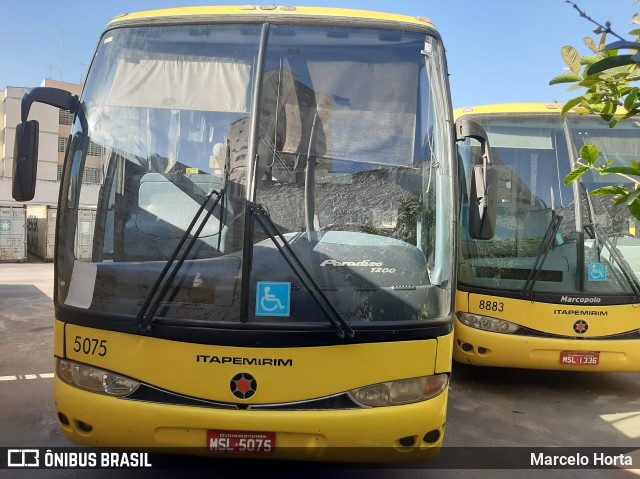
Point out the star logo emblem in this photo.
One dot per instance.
(580, 327)
(243, 385)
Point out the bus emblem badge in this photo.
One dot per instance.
(580, 327)
(243, 385)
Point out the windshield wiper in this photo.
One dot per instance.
(541, 255)
(147, 313)
(342, 328)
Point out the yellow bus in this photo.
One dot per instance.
(272, 261)
(558, 286)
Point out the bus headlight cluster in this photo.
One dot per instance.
(403, 391)
(487, 323)
(93, 379)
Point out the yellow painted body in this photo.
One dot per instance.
(371, 434)
(485, 348)
(503, 109)
(514, 351)
(294, 14)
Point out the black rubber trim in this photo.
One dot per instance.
(271, 335)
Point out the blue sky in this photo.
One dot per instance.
(499, 51)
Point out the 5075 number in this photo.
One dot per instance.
(491, 305)
(90, 346)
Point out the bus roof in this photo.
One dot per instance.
(509, 108)
(261, 13)
(518, 108)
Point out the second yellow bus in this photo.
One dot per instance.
(557, 286)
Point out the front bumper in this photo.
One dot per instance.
(482, 348)
(363, 435)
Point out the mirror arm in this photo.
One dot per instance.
(466, 128)
(51, 96)
(482, 210)
(472, 129)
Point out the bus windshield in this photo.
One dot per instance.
(550, 237)
(339, 134)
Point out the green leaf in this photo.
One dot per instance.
(590, 60)
(635, 209)
(575, 174)
(631, 99)
(596, 76)
(589, 82)
(609, 191)
(609, 63)
(621, 200)
(590, 154)
(608, 110)
(572, 58)
(623, 44)
(621, 170)
(575, 87)
(565, 78)
(632, 197)
(570, 104)
(614, 122)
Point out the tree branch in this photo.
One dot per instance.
(606, 28)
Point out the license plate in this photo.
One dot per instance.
(241, 442)
(579, 359)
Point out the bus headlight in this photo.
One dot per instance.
(403, 391)
(487, 323)
(93, 379)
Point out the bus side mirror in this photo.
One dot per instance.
(483, 203)
(25, 149)
(484, 183)
(25, 161)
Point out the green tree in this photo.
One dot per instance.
(608, 79)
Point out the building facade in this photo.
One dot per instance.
(55, 128)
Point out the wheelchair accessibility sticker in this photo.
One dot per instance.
(273, 299)
(597, 272)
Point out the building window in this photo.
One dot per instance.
(92, 175)
(65, 117)
(94, 149)
(62, 144)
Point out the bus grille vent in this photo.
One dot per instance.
(148, 393)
